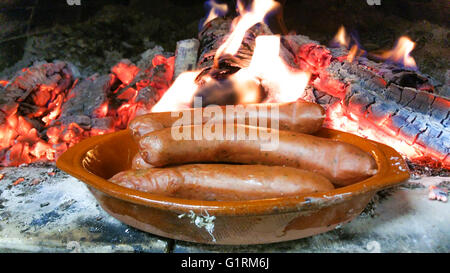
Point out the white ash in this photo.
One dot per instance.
(201, 221)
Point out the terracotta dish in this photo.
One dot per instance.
(96, 159)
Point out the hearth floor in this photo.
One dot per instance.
(50, 211)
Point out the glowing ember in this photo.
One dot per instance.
(340, 119)
(31, 130)
(401, 53)
(18, 181)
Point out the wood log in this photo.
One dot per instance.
(213, 35)
(397, 102)
(186, 56)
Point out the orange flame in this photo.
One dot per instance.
(241, 24)
(267, 65)
(401, 52)
(341, 38)
(216, 10)
(180, 94)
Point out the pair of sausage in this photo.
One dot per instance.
(340, 162)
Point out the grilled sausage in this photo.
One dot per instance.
(223, 182)
(299, 116)
(342, 163)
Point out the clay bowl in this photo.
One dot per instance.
(96, 159)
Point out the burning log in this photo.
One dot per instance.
(213, 35)
(382, 101)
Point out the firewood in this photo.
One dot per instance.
(186, 56)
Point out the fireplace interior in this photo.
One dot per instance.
(75, 69)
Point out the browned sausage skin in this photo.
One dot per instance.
(299, 116)
(139, 163)
(340, 162)
(224, 182)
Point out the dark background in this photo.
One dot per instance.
(97, 34)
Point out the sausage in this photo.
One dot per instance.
(139, 163)
(300, 116)
(223, 182)
(342, 163)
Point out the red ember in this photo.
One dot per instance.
(30, 130)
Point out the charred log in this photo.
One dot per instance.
(85, 100)
(397, 102)
(213, 36)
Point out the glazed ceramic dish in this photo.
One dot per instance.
(96, 159)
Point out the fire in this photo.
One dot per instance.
(267, 65)
(216, 10)
(342, 39)
(179, 95)
(242, 23)
(352, 53)
(401, 53)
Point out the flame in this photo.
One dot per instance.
(216, 10)
(3, 83)
(341, 38)
(401, 53)
(352, 53)
(267, 65)
(247, 86)
(179, 95)
(241, 24)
